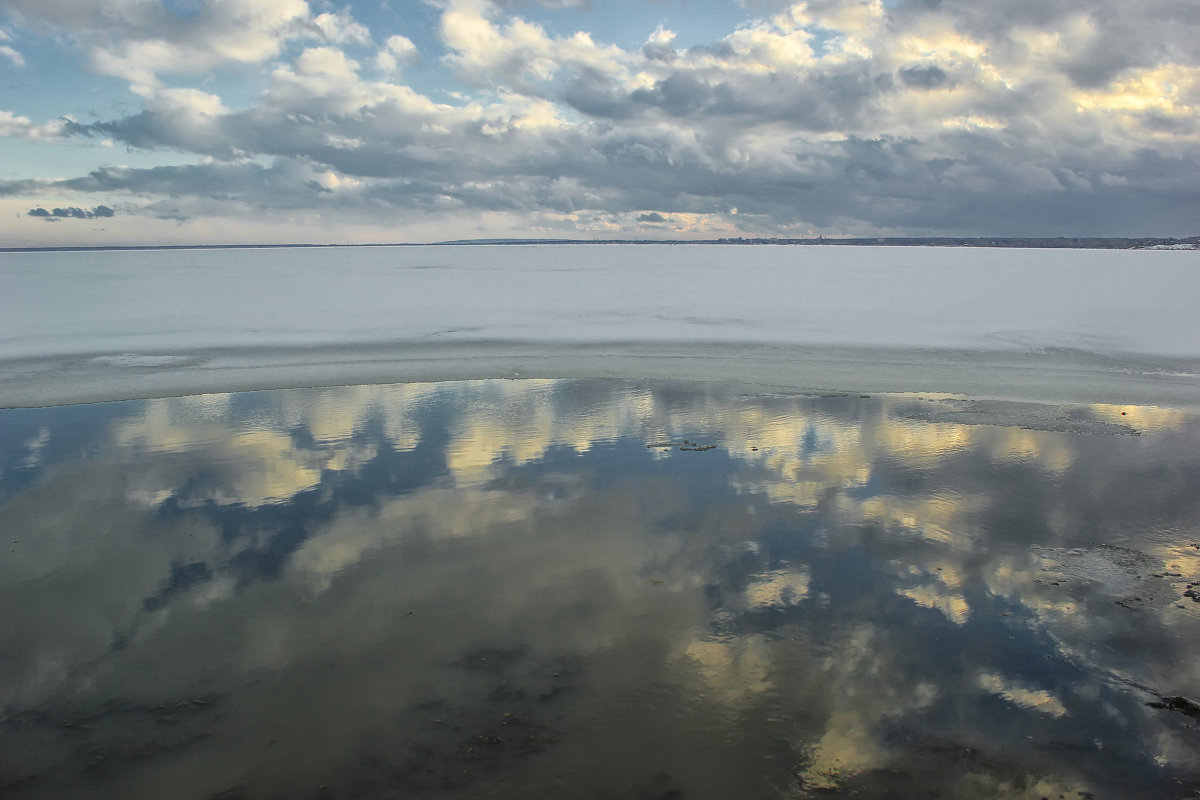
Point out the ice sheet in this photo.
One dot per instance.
(1062, 325)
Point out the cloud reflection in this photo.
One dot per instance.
(875, 589)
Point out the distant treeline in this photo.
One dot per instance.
(1073, 242)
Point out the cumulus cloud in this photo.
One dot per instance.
(397, 51)
(517, 53)
(845, 117)
(142, 41)
(24, 128)
(341, 28)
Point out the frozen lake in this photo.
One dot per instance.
(1053, 325)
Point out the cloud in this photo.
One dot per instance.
(341, 28)
(71, 212)
(144, 41)
(930, 77)
(517, 53)
(840, 117)
(483, 51)
(23, 128)
(8, 52)
(658, 46)
(397, 51)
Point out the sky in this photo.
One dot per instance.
(127, 122)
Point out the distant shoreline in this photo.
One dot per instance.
(1059, 242)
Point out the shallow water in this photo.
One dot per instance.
(597, 589)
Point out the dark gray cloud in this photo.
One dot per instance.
(814, 99)
(659, 51)
(71, 212)
(966, 182)
(930, 77)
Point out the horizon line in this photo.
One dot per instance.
(1080, 242)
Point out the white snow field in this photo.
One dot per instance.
(1066, 326)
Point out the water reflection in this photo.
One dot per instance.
(503, 588)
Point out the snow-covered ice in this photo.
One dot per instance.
(1061, 325)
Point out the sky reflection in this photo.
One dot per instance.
(504, 588)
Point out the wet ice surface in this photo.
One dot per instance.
(509, 589)
(1056, 325)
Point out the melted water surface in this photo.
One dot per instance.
(597, 589)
